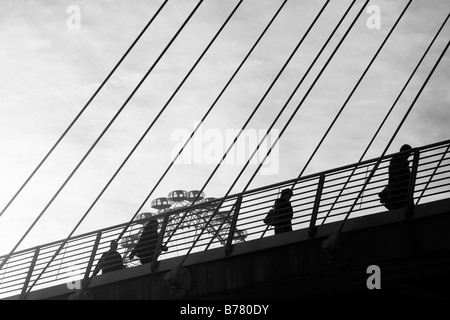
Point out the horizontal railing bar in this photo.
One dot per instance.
(255, 205)
(438, 186)
(273, 185)
(434, 181)
(58, 242)
(353, 193)
(362, 167)
(431, 156)
(267, 207)
(434, 194)
(343, 167)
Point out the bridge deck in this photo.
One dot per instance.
(320, 203)
(413, 256)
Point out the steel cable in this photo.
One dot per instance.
(81, 112)
(102, 134)
(139, 141)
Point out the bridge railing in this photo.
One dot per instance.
(317, 199)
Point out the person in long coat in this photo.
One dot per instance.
(399, 178)
(283, 212)
(146, 246)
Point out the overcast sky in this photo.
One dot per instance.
(50, 67)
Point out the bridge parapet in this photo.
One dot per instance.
(319, 201)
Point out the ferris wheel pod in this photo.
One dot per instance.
(130, 241)
(195, 195)
(144, 216)
(210, 202)
(209, 199)
(161, 203)
(178, 195)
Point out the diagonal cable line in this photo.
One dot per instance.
(283, 109)
(103, 133)
(353, 90)
(255, 109)
(290, 97)
(436, 168)
(387, 115)
(304, 98)
(249, 118)
(138, 143)
(81, 112)
(204, 117)
(265, 94)
(372, 172)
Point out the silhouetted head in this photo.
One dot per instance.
(286, 193)
(113, 245)
(405, 147)
(152, 224)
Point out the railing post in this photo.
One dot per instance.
(30, 272)
(159, 243)
(312, 225)
(216, 233)
(433, 174)
(91, 259)
(412, 182)
(237, 208)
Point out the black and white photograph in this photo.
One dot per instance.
(224, 155)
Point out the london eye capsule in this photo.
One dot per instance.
(211, 200)
(195, 195)
(160, 203)
(144, 216)
(178, 195)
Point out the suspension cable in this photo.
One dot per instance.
(138, 143)
(300, 104)
(436, 168)
(295, 111)
(372, 173)
(304, 97)
(103, 133)
(82, 111)
(265, 95)
(203, 119)
(255, 110)
(291, 96)
(387, 116)
(353, 91)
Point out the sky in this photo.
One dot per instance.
(54, 55)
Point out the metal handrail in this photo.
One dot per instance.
(311, 202)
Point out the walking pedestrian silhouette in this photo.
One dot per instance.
(146, 246)
(395, 194)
